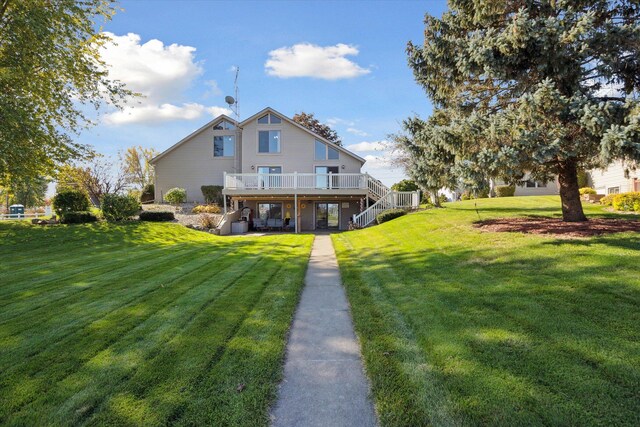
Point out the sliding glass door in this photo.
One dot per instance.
(323, 179)
(266, 178)
(327, 216)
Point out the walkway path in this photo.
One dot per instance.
(324, 382)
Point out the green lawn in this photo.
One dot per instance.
(143, 324)
(462, 327)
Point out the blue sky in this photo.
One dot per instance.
(343, 61)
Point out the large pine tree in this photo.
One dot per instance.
(544, 87)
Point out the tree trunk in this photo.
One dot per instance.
(436, 200)
(569, 192)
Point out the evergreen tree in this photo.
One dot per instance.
(546, 87)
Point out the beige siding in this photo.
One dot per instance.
(192, 165)
(296, 151)
(603, 180)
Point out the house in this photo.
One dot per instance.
(275, 171)
(614, 179)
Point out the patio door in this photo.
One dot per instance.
(323, 179)
(266, 178)
(327, 216)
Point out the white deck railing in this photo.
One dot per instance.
(392, 200)
(292, 181)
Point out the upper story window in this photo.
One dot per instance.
(224, 146)
(269, 119)
(324, 152)
(224, 125)
(269, 141)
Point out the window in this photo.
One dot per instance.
(613, 190)
(266, 178)
(224, 125)
(269, 119)
(535, 184)
(324, 152)
(224, 146)
(323, 179)
(270, 211)
(269, 141)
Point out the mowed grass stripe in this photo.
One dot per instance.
(253, 357)
(64, 356)
(187, 357)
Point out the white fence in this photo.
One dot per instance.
(292, 181)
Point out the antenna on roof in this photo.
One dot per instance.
(233, 102)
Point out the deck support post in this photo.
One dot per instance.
(295, 211)
(224, 197)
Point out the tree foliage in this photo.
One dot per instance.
(405, 185)
(50, 72)
(27, 190)
(310, 122)
(544, 87)
(96, 178)
(137, 167)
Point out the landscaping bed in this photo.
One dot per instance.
(559, 228)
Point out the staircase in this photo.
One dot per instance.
(385, 198)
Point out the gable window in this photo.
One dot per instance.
(224, 125)
(269, 141)
(224, 146)
(324, 152)
(269, 119)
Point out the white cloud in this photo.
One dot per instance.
(357, 132)
(332, 121)
(161, 73)
(308, 60)
(162, 113)
(214, 90)
(383, 161)
(368, 146)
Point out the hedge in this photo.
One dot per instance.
(607, 200)
(70, 201)
(629, 202)
(156, 216)
(78, 218)
(505, 190)
(212, 194)
(389, 214)
(148, 193)
(587, 190)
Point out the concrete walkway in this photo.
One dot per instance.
(324, 383)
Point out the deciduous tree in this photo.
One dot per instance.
(50, 72)
(545, 87)
(96, 178)
(137, 166)
(310, 122)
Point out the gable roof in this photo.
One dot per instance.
(242, 123)
(288, 120)
(192, 134)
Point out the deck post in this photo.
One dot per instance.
(295, 211)
(224, 197)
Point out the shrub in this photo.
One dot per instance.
(505, 190)
(627, 201)
(156, 216)
(607, 200)
(78, 218)
(212, 209)
(148, 193)
(116, 207)
(212, 194)
(70, 201)
(583, 178)
(587, 190)
(175, 196)
(389, 214)
(208, 221)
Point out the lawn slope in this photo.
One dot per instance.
(143, 324)
(463, 327)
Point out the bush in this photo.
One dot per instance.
(583, 178)
(148, 194)
(156, 216)
(116, 207)
(607, 200)
(212, 209)
(212, 194)
(175, 196)
(70, 201)
(505, 190)
(389, 214)
(78, 218)
(587, 190)
(627, 201)
(208, 221)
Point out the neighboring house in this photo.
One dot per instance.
(612, 180)
(535, 188)
(275, 170)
